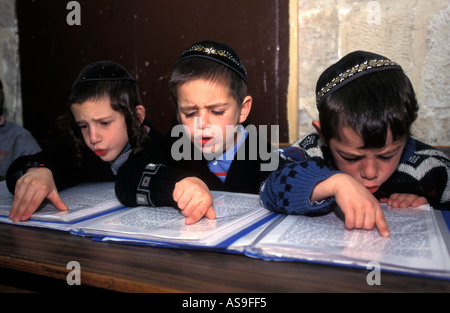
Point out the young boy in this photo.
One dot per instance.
(362, 152)
(107, 135)
(209, 90)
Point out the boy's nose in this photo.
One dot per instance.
(369, 170)
(94, 136)
(202, 121)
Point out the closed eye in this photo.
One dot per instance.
(218, 112)
(385, 158)
(190, 114)
(352, 160)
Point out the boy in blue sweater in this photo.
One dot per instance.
(362, 153)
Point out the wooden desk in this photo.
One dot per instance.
(34, 259)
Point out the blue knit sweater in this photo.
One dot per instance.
(422, 170)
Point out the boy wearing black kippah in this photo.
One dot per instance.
(106, 137)
(209, 91)
(363, 152)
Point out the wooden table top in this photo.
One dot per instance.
(45, 253)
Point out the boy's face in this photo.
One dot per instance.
(104, 130)
(371, 167)
(206, 108)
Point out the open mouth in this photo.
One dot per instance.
(206, 141)
(100, 152)
(372, 189)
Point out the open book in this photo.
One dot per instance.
(416, 244)
(236, 215)
(419, 241)
(85, 201)
(94, 211)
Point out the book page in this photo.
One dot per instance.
(414, 242)
(233, 212)
(83, 200)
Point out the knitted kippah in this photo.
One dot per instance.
(218, 52)
(102, 71)
(347, 69)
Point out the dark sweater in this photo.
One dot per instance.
(147, 178)
(144, 181)
(68, 172)
(423, 171)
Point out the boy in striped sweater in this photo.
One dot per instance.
(362, 153)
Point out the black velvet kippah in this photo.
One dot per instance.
(102, 71)
(347, 69)
(218, 52)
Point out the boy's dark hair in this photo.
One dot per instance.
(124, 96)
(212, 61)
(370, 103)
(196, 68)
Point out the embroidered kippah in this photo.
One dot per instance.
(103, 71)
(218, 52)
(350, 67)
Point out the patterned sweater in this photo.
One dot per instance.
(422, 170)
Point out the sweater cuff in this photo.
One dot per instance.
(288, 190)
(18, 168)
(157, 184)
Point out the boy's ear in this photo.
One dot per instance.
(245, 109)
(140, 111)
(316, 125)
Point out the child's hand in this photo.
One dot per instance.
(194, 199)
(404, 200)
(31, 189)
(361, 208)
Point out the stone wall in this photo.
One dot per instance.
(412, 33)
(9, 61)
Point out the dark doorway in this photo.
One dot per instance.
(147, 38)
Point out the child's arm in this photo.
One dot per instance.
(194, 199)
(31, 189)
(424, 172)
(288, 190)
(156, 184)
(361, 209)
(308, 187)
